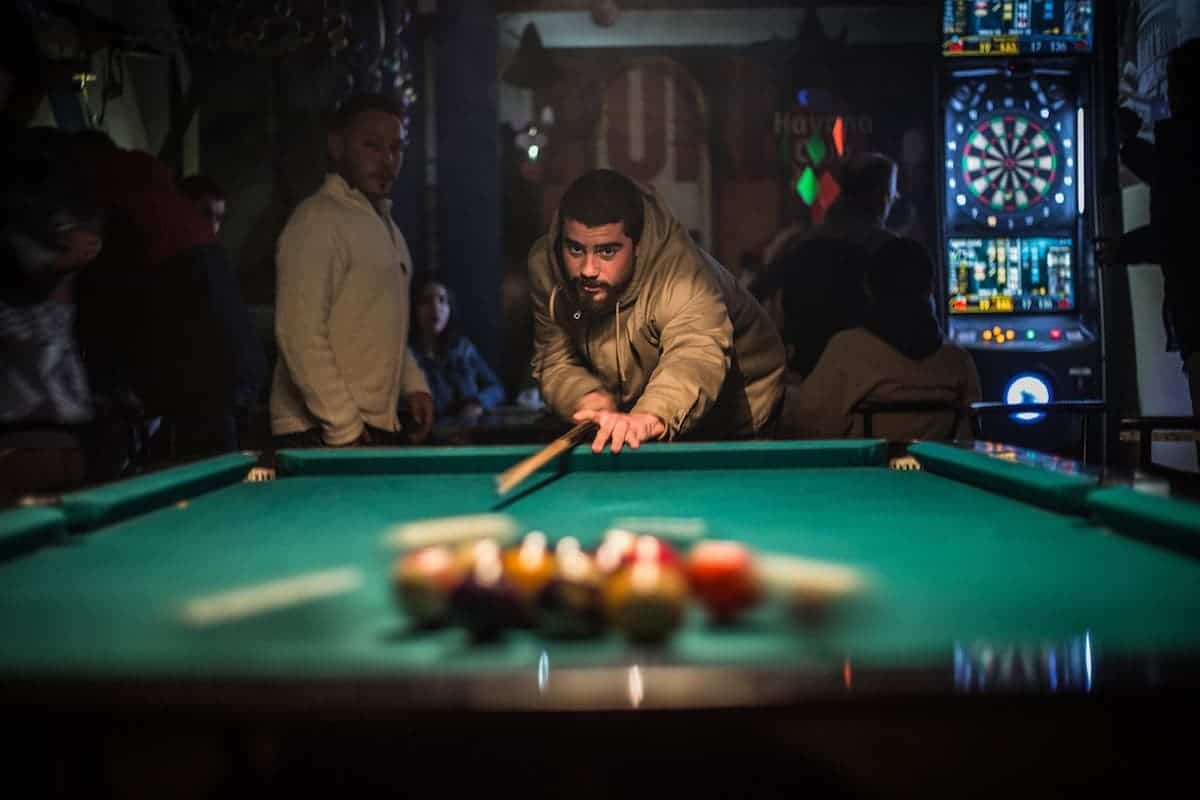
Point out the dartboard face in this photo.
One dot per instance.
(1009, 163)
(1011, 156)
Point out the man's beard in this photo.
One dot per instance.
(590, 303)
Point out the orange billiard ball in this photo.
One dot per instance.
(530, 567)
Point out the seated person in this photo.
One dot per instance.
(462, 383)
(639, 330)
(898, 355)
(49, 231)
(815, 278)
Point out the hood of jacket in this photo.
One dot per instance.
(678, 299)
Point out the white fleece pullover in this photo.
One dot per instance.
(341, 317)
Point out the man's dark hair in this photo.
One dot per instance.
(864, 178)
(901, 267)
(198, 187)
(602, 197)
(357, 104)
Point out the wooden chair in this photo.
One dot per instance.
(975, 412)
(870, 409)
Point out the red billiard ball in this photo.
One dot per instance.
(422, 582)
(611, 552)
(724, 577)
(646, 600)
(621, 548)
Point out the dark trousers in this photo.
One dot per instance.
(312, 438)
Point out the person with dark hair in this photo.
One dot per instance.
(1169, 165)
(817, 278)
(896, 355)
(342, 299)
(208, 197)
(462, 383)
(639, 330)
(160, 313)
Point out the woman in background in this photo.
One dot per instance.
(462, 383)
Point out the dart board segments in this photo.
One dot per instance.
(1009, 163)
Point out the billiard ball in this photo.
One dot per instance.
(646, 600)
(723, 576)
(485, 602)
(617, 543)
(621, 548)
(529, 567)
(422, 582)
(571, 603)
(811, 589)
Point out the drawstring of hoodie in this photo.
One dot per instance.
(617, 339)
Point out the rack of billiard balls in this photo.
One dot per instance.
(481, 578)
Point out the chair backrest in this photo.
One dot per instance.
(868, 410)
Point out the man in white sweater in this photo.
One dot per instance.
(342, 308)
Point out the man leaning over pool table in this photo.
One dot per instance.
(639, 330)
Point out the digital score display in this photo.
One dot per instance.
(1016, 27)
(1010, 275)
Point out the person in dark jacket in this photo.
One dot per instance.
(462, 383)
(897, 354)
(160, 312)
(819, 278)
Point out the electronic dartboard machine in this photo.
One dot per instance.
(1016, 237)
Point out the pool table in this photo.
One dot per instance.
(1017, 611)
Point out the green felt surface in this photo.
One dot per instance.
(949, 564)
(1175, 523)
(26, 529)
(109, 503)
(1054, 490)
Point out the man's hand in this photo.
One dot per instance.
(622, 429)
(595, 401)
(420, 407)
(470, 409)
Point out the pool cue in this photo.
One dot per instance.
(508, 480)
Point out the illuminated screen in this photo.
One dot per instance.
(1005, 275)
(1016, 27)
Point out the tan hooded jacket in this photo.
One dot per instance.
(856, 367)
(684, 342)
